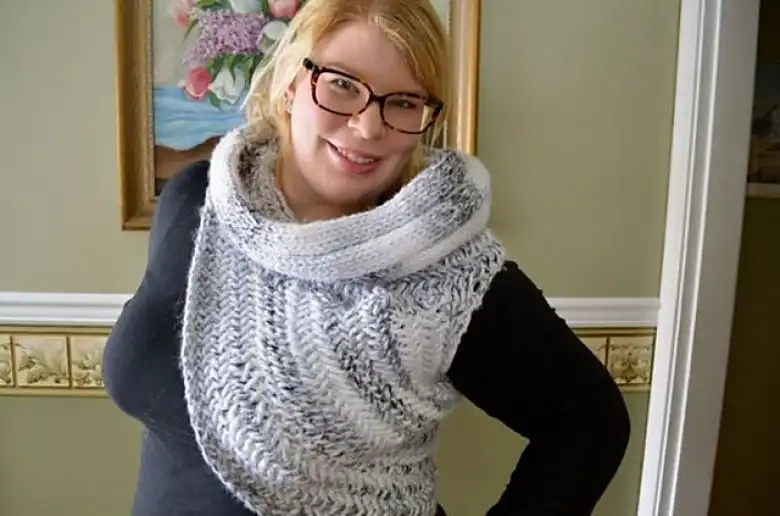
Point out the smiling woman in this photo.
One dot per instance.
(181, 89)
(324, 290)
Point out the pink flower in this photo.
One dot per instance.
(283, 8)
(197, 82)
(181, 11)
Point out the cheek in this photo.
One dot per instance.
(402, 145)
(313, 122)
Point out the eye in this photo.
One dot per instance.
(405, 103)
(342, 84)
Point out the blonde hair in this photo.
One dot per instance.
(413, 26)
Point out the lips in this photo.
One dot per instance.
(355, 156)
(352, 161)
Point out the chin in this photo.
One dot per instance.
(349, 195)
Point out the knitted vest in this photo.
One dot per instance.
(314, 355)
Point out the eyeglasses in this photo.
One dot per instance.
(343, 94)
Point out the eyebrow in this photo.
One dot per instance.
(336, 65)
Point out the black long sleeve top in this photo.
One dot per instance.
(507, 364)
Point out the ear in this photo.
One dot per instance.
(289, 95)
(292, 88)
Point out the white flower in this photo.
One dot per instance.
(226, 88)
(245, 6)
(271, 33)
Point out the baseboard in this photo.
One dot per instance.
(86, 309)
(64, 334)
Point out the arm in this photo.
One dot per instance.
(521, 364)
(140, 360)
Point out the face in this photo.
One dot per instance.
(351, 160)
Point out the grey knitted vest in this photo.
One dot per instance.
(314, 355)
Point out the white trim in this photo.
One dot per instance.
(60, 309)
(584, 312)
(716, 61)
(39, 308)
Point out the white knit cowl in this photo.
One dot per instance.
(314, 355)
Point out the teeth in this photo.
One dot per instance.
(355, 159)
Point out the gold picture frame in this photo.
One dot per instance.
(138, 158)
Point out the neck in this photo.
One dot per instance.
(303, 201)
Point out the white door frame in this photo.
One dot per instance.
(714, 92)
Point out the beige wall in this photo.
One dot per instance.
(59, 215)
(575, 123)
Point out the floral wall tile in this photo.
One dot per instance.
(62, 361)
(630, 359)
(6, 363)
(598, 345)
(86, 360)
(41, 361)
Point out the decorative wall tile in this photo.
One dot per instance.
(598, 345)
(630, 359)
(86, 361)
(69, 361)
(52, 361)
(41, 361)
(6, 364)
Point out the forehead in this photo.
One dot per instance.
(362, 50)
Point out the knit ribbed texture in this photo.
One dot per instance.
(314, 355)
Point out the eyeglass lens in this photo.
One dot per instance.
(346, 96)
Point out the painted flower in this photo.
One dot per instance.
(283, 8)
(224, 32)
(270, 34)
(226, 88)
(197, 82)
(245, 6)
(181, 11)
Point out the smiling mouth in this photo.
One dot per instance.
(354, 157)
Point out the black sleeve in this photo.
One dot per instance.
(140, 360)
(520, 363)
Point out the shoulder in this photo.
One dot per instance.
(513, 319)
(513, 305)
(186, 189)
(178, 206)
(515, 344)
(511, 285)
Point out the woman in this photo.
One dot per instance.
(320, 295)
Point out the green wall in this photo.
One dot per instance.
(575, 123)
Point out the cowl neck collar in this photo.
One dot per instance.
(445, 205)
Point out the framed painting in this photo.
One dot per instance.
(181, 82)
(763, 177)
(763, 173)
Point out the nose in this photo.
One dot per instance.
(368, 123)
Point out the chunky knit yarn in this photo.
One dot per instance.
(314, 355)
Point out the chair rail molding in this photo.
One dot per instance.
(92, 309)
(60, 309)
